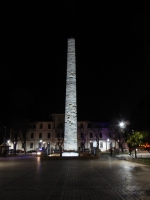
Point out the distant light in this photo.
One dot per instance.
(40, 140)
(121, 124)
(108, 139)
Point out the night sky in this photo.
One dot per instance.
(112, 59)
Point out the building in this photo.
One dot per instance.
(49, 134)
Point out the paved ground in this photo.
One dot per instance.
(144, 154)
(104, 178)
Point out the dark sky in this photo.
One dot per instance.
(112, 58)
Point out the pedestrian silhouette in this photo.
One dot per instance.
(111, 151)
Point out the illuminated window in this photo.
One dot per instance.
(32, 135)
(91, 135)
(31, 145)
(49, 126)
(101, 144)
(48, 135)
(40, 135)
(41, 126)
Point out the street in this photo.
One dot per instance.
(29, 177)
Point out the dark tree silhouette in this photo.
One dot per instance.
(18, 132)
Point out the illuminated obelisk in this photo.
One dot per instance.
(70, 135)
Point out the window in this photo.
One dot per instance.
(40, 145)
(32, 135)
(100, 135)
(48, 135)
(40, 135)
(101, 144)
(49, 126)
(41, 126)
(31, 145)
(91, 135)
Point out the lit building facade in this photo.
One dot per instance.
(48, 134)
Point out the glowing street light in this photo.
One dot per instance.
(121, 124)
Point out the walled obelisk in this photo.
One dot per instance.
(70, 132)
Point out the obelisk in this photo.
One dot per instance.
(70, 131)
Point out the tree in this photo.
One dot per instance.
(60, 136)
(24, 125)
(14, 133)
(18, 132)
(119, 133)
(96, 129)
(97, 134)
(83, 133)
(137, 138)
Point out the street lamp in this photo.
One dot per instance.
(121, 124)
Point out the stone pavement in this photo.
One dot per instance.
(108, 178)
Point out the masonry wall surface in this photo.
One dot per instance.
(70, 136)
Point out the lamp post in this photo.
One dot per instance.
(121, 138)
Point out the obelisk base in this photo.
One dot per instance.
(70, 154)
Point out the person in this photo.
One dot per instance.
(111, 151)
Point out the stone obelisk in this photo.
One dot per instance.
(70, 132)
